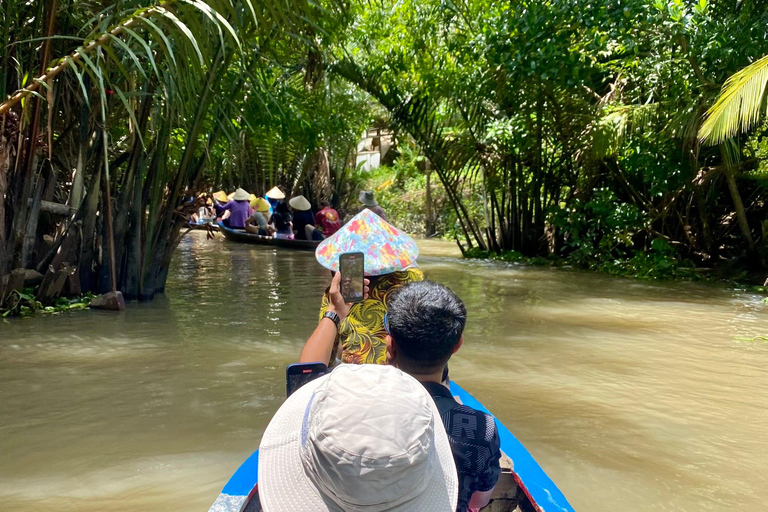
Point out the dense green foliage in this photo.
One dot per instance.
(140, 106)
(578, 120)
(563, 128)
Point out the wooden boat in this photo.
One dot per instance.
(522, 486)
(243, 237)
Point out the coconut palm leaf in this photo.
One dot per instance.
(737, 109)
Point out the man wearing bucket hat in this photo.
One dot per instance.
(237, 211)
(370, 203)
(362, 438)
(425, 324)
(390, 262)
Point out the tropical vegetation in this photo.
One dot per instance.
(603, 133)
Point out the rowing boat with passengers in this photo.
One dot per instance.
(243, 237)
(523, 486)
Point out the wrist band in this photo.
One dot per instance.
(333, 316)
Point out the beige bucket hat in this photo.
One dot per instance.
(364, 438)
(300, 203)
(275, 193)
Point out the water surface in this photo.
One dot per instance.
(632, 395)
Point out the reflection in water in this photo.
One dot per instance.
(630, 394)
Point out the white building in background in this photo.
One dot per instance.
(373, 147)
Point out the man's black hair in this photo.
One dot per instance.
(325, 204)
(426, 321)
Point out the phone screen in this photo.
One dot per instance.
(296, 375)
(351, 265)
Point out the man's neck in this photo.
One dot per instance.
(436, 376)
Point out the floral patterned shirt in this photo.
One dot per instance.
(362, 334)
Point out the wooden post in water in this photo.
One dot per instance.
(110, 233)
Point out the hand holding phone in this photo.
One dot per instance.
(352, 268)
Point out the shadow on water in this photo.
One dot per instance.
(630, 394)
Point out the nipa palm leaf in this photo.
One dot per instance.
(737, 109)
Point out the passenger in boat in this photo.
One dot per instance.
(238, 209)
(282, 220)
(274, 196)
(204, 212)
(219, 199)
(370, 203)
(363, 437)
(257, 223)
(425, 324)
(390, 262)
(303, 220)
(327, 219)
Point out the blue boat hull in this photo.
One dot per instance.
(537, 491)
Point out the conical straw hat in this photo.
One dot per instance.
(275, 193)
(241, 195)
(386, 248)
(300, 203)
(220, 196)
(259, 204)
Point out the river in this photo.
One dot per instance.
(632, 395)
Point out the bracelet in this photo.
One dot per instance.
(333, 316)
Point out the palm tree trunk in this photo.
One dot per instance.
(741, 214)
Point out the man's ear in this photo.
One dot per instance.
(391, 350)
(458, 345)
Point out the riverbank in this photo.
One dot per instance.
(641, 266)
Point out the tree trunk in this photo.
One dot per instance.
(430, 227)
(741, 214)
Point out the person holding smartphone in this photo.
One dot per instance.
(319, 346)
(389, 261)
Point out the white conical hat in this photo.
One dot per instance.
(300, 203)
(241, 195)
(275, 193)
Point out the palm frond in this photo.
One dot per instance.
(737, 109)
(611, 129)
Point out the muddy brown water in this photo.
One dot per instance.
(632, 395)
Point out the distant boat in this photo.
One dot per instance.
(522, 482)
(243, 237)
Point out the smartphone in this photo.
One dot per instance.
(351, 265)
(296, 375)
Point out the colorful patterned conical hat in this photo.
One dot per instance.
(386, 248)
